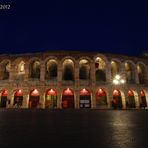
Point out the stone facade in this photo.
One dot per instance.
(81, 73)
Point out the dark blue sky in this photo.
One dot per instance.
(109, 26)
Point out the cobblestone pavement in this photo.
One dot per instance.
(73, 128)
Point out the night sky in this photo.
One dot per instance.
(107, 26)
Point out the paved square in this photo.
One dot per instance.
(74, 128)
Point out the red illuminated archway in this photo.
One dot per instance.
(51, 99)
(131, 99)
(34, 98)
(117, 100)
(101, 99)
(143, 102)
(18, 98)
(4, 95)
(85, 98)
(68, 98)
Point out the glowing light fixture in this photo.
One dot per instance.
(51, 90)
(35, 92)
(115, 81)
(20, 91)
(122, 81)
(117, 77)
(100, 90)
(84, 90)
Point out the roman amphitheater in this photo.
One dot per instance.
(73, 79)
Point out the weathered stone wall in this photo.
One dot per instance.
(42, 85)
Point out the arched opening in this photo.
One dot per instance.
(115, 68)
(100, 69)
(85, 98)
(18, 98)
(4, 70)
(35, 69)
(68, 98)
(51, 70)
(68, 70)
(51, 99)
(34, 98)
(143, 102)
(141, 73)
(84, 73)
(20, 71)
(131, 99)
(4, 95)
(117, 100)
(129, 70)
(101, 99)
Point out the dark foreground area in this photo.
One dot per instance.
(74, 128)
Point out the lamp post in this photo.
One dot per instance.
(118, 80)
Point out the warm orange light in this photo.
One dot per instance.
(130, 93)
(51, 92)
(142, 93)
(68, 92)
(18, 93)
(4, 93)
(116, 92)
(84, 92)
(100, 90)
(35, 92)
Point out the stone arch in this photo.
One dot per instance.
(115, 67)
(34, 67)
(68, 69)
(132, 99)
(100, 69)
(51, 69)
(18, 98)
(18, 60)
(51, 99)
(5, 67)
(68, 57)
(68, 98)
(105, 72)
(143, 101)
(142, 73)
(85, 98)
(4, 98)
(130, 71)
(101, 98)
(146, 95)
(19, 64)
(85, 57)
(33, 59)
(117, 99)
(84, 69)
(50, 58)
(34, 97)
(103, 57)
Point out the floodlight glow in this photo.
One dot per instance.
(122, 81)
(117, 77)
(116, 82)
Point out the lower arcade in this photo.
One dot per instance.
(69, 98)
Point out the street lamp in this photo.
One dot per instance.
(118, 80)
(117, 100)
